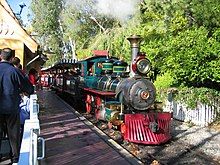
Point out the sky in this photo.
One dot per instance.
(14, 4)
(119, 9)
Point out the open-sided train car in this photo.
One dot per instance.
(116, 93)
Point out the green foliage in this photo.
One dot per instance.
(205, 13)
(193, 58)
(164, 81)
(46, 14)
(180, 41)
(82, 24)
(115, 39)
(181, 38)
(192, 96)
(83, 53)
(163, 84)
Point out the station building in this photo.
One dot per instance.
(14, 36)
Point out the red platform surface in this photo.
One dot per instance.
(68, 140)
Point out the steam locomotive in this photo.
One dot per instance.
(112, 91)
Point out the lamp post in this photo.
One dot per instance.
(22, 5)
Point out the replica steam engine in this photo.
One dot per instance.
(114, 93)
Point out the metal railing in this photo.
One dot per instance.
(32, 146)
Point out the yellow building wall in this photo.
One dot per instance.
(11, 29)
(14, 36)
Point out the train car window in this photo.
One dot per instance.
(100, 65)
(79, 69)
(90, 70)
(83, 72)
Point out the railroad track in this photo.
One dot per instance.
(176, 151)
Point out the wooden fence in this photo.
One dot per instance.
(202, 115)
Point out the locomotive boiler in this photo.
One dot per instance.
(118, 93)
(134, 89)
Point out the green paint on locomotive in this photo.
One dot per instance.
(107, 66)
(119, 69)
(92, 68)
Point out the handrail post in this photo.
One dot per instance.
(34, 107)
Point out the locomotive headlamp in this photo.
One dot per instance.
(143, 66)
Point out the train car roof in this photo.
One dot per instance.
(97, 54)
(67, 63)
(63, 63)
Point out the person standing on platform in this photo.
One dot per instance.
(24, 104)
(33, 77)
(12, 82)
(16, 62)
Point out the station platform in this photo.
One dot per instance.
(70, 140)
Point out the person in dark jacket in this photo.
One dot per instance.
(12, 82)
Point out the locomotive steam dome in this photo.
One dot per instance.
(139, 94)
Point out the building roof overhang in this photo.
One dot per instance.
(40, 58)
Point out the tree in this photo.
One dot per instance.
(176, 34)
(180, 40)
(83, 24)
(46, 14)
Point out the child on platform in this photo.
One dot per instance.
(24, 111)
